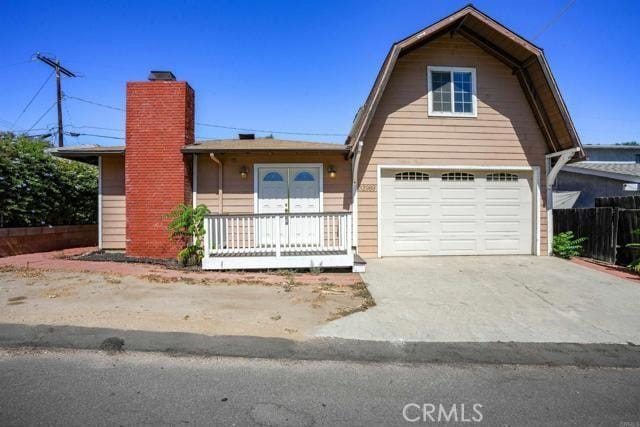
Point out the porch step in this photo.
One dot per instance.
(359, 264)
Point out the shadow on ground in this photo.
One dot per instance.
(555, 354)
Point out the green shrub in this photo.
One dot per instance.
(566, 245)
(38, 189)
(187, 225)
(635, 264)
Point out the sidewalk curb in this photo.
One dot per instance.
(180, 343)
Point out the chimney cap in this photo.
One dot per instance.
(162, 76)
(246, 136)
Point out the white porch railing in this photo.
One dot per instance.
(278, 240)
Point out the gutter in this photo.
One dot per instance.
(219, 163)
(354, 193)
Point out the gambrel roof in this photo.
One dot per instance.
(525, 59)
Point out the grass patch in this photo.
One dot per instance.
(22, 271)
(359, 290)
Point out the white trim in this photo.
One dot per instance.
(452, 113)
(536, 182)
(99, 202)
(194, 188)
(613, 175)
(354, 193)
(293, 261)
(256, 166)
(465, 167)
(379, 208)
(537, 205)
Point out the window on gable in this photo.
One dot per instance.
(503, 177)
(457, 176)
(412, 176)
(452, 91)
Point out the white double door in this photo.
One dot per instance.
(286, 189)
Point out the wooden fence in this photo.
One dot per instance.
(608, 227)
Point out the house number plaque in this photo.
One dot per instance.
(367, 188)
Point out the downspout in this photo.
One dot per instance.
(355, 162)
(194, 180)
(219, 163)
(552, 173)
(100, 202)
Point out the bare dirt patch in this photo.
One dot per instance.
(287, 304)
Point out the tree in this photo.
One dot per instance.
(38, 189)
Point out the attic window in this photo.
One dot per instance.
(452, 91)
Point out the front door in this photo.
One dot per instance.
(296, 189)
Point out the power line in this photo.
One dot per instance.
(94, 103)
(269, 131)
(42, 116)
(2, 67)
(96, 127)
(287, 132)
(93, 134)
(554, 19)
(32, 98)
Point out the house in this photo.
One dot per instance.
(609, 171)
(453, 153)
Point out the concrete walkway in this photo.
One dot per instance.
(490, 299)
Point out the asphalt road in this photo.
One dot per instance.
(90, 388)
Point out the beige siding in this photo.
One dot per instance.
(113, 203)
(238, 193)
(505, 132)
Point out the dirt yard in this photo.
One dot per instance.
(285, 305)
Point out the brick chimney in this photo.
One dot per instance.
(160, 121)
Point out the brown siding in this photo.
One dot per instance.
(113, 203)
(238, 193)
(505, 133)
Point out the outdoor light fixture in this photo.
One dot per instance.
(244, 172)
(332, 171)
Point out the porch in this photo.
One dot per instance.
(284, 240)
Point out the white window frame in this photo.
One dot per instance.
(474, 98)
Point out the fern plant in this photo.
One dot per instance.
(566, 245)
(635, 264)
(187, 225)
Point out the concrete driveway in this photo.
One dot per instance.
(489, 299)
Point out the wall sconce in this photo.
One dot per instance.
(244, 171)
(332, 171)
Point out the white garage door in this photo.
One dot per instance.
(455, 212)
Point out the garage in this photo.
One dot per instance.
(455, 212)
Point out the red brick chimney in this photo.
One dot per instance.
(160, 121)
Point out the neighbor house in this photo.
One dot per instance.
(453, 153)
(609, 171)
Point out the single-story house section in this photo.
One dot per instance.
(453, 153)
(609, 171)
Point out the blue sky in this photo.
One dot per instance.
(297, 66)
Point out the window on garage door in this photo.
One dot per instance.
(412, 176)
(502, 177)
(458, 176)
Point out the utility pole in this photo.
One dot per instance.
(55, 64)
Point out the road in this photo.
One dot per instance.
(92, 388)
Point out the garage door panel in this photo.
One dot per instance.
(435, 217)
(502, 226)
(411, 227)
(506, 245)
(458, 226)
(465, 210)
(458, 193)
(467, 245)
